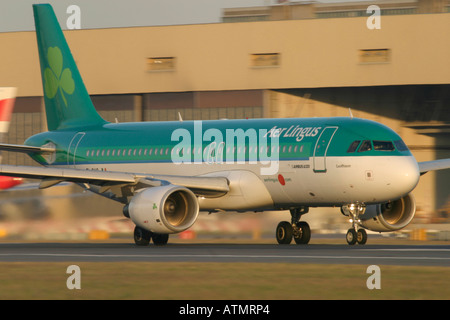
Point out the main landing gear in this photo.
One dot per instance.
(143, 237)
(299, 230)
(355, 234)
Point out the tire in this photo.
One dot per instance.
(160, 239)
(361, 236)
(305, 233)
(284, 232)
(351, 236)
(141, 236)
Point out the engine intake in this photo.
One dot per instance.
(165, 209)
(391, 216)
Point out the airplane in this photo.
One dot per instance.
(165, 173)
(7, 99)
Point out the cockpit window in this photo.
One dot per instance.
(383, 145)
(366, 145)
(401, 146)
(354, 146)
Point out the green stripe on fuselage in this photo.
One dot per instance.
(297, 140)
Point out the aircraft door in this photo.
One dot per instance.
(71, 152)
(321, 148)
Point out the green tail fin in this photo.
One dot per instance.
(67, 102)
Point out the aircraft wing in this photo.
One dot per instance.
(104, 180)
(73, 175)
(441, 164)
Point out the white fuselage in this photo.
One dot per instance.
(368, 179)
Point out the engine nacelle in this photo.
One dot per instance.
(165, 209)
(391, 216)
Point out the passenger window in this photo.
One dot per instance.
(366, 145)
(383, 145)
(354, 146)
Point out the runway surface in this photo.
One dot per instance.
(414, 255)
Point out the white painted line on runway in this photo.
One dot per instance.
(171, 256)
(410, 249)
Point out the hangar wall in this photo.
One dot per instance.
(408, 49)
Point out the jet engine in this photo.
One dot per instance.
(390, 216)
(165, 209)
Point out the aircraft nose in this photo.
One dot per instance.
(406, 174)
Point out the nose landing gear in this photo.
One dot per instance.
(355, 234)
(299, 230)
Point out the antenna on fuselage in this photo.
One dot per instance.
(351, 114)
(179, 117)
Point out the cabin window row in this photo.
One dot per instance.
(209, 148)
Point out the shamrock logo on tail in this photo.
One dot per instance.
(55, 78)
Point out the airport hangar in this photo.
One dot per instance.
(398, 75)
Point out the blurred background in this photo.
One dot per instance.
(148, 61)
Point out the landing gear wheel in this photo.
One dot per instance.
(351, 236)
(361, 236)
(141, 236)
(303, 234)
(160, 239)
(284, 232)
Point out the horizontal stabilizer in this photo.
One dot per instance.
(26, 149)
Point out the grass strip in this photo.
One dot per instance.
(221, 281)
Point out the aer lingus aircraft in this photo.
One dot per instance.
(164, 173)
